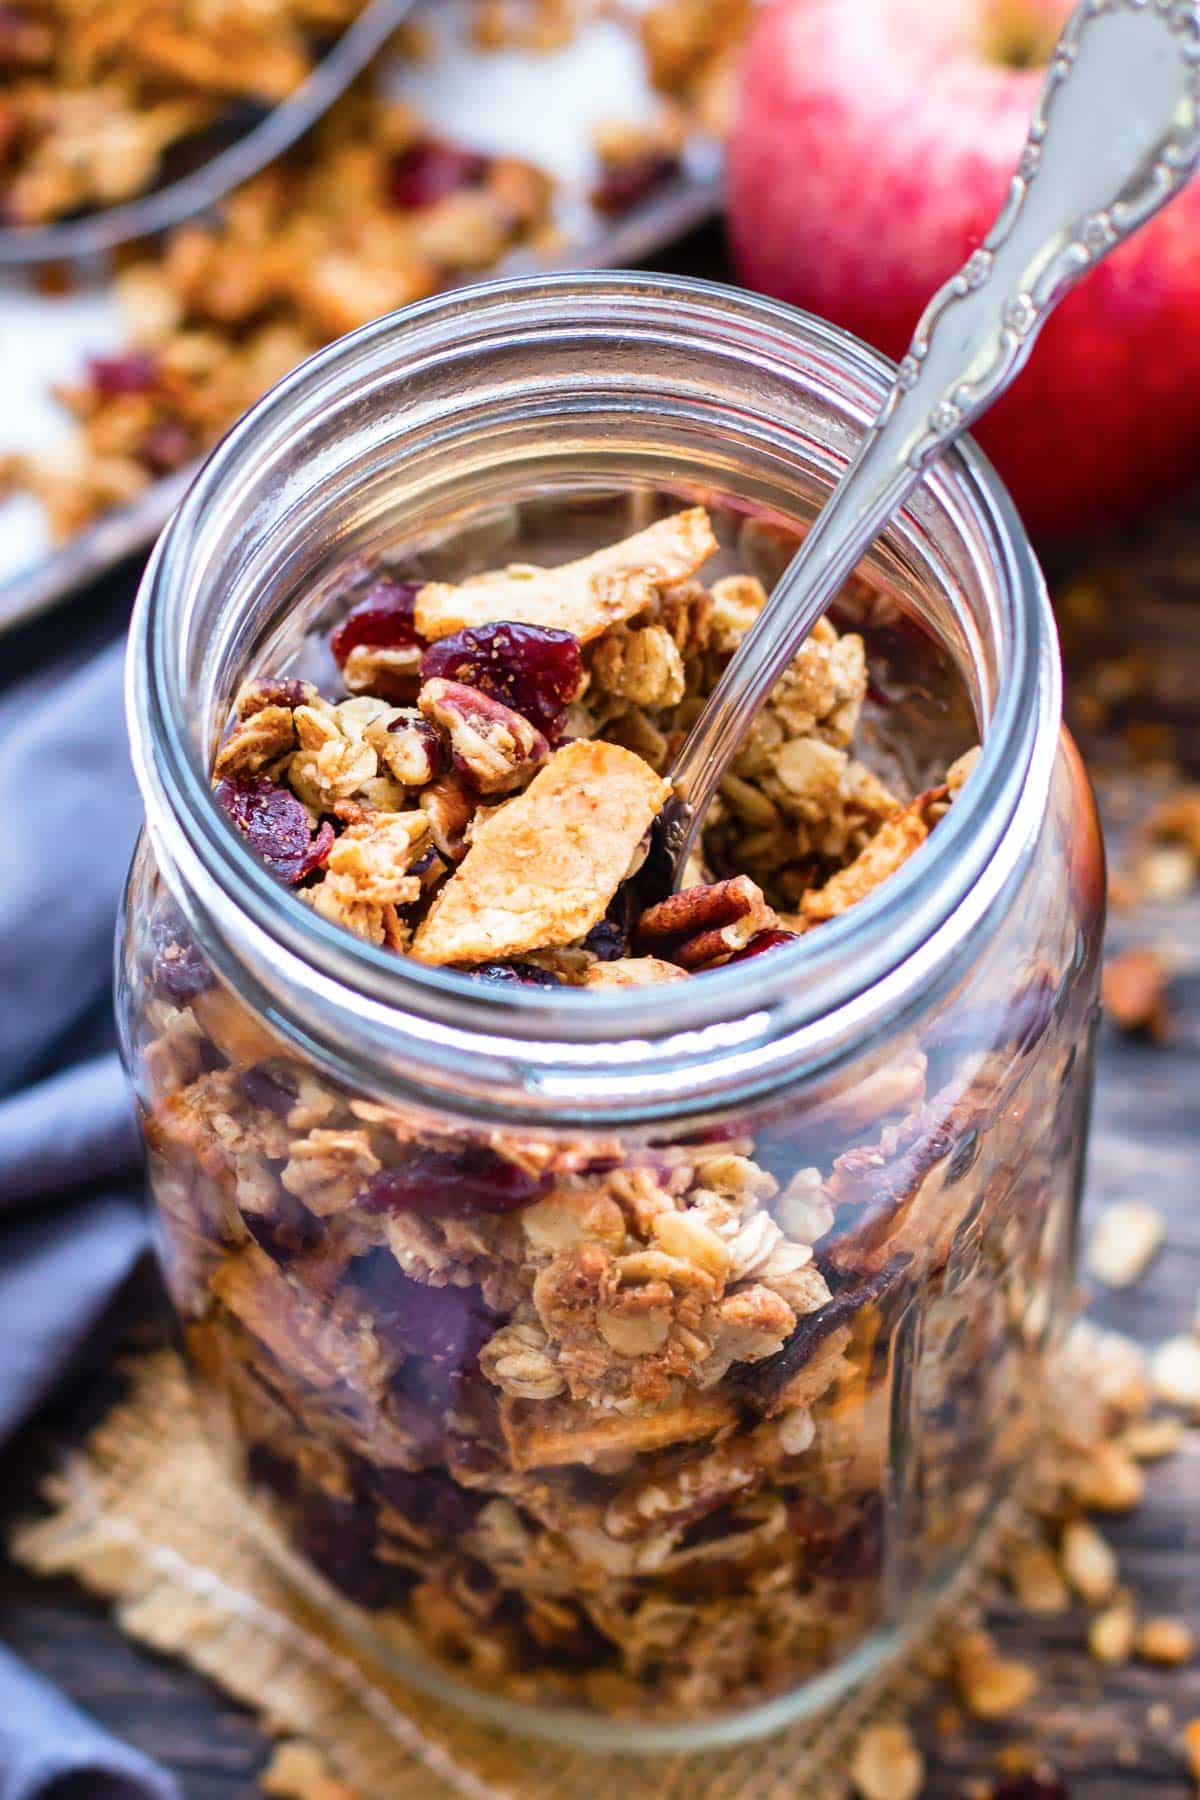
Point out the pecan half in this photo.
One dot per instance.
(701, 925)
(909, 1189)
(495, 748)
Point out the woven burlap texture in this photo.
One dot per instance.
(145, 1516)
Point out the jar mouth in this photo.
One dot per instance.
(387, 1022)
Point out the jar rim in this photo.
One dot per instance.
(556, 1053)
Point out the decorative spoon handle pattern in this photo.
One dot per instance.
(1115, 134)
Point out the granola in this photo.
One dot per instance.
(96, 93)
(606, 1421)
(370, 211)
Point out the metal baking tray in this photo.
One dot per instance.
(541, 106)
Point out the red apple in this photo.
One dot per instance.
(874, 142)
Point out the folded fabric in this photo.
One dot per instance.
(73, 1223)
(47, 1746)
(64, 1133)
(71, 804)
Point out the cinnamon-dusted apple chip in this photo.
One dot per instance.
(312, 1341)
(542, 869)
(543, 1434)
(632, 971)
(891, 846)
(584, 597)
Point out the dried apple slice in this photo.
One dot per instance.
(584, 597)
(542, 869)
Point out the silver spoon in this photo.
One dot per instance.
(357, 46)
(1114, 136)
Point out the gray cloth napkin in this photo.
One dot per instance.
(73, 1224)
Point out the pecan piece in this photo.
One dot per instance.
(271, 690)
(450, 809)
(411, 749)
(259, 738)
(700, 925)
(495, 748)
(910, 1186)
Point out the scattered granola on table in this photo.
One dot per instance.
(597, 1420)
(1135, 992)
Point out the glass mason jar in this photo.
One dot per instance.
(542, 1439)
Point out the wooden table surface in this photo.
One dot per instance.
(1111, 1732)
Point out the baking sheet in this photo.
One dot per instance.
(538, 106)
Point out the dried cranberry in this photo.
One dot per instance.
(318, 850)
(429, 170)
(275, 825)
(451, 1184)
(133, 372)
(261, 1088)
(624, 183)
(535, 669)
(763, 940)
(518, 974)
(1032, 1787)
(447, 1325)
(287, 1230)
(179, 969)
(857, 1552)
(166, 446)
(382, 619)
(265, 1469)
(428, 1498)
(606, 941)
(23, 41)
(338, 1537)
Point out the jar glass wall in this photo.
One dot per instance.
(637, 1371)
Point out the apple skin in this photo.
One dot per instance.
(873, 144)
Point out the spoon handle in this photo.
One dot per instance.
(1115, 134)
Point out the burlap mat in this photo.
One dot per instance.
(144, 1516)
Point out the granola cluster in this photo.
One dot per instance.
(95, 93)
(369, 212)
(366, 214)
(659, 1424)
